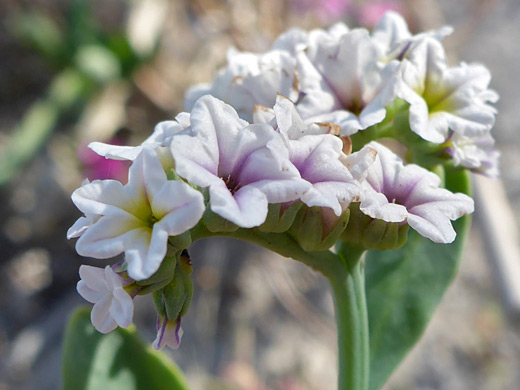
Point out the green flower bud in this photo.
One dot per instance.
(371, 233)
(174, 299)
(280, 217)
(318, 228)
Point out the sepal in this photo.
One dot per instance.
(280, 217)
(369, 233)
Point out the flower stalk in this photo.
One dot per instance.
(348, 290)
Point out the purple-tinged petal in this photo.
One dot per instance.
(395, 193)
(168, 333)
(244, 166)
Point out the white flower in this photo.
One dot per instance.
(411, 194)
(104, 288)
(318, 157)
(361, 87)
(255, 79)
(443, 98)
(251, 79)
(393, 38)
(137, 218)
(475, 153)
(245, 166)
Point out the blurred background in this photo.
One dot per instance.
(77, 71)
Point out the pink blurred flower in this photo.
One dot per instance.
(97, 167)
(327, 10)
(370, 12)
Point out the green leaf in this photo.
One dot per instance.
(114, 361)
(404, 286)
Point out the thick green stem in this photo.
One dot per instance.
(352, 321)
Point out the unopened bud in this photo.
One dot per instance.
(371, 233)
(317, 228)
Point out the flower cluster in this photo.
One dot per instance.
(267, 146)
(354, 78)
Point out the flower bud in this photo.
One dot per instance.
(318, 228)
(371, 233)
(174, 299)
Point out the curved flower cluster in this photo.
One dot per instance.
(266, 146)
(350, 77)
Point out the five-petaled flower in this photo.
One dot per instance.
(136, 218)
(245, 166)
(395, 192)
(113, 306)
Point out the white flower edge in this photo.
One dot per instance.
(160, 137)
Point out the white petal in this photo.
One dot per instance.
(102, 197)
(432, 224)
(376, 205)
(116, 152)
(94, 278)
(175, 196)
(247, 207)
(194, 93)
(89, 294)
(262, 114)
(81, 225)
(292, 40)
(390, 29)
(114, 281)
(108, 237)
(156, 251)
(122, 308)
(145, 178)
(138, 253)
(100, 315)
(359, 162)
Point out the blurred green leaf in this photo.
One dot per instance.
(42, 33)
(81, 27)
(114, 361)
(98, 63)
(404, 287)
(66, 91)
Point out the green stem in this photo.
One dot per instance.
(352, 321)
(346, 275)
(325, 262)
